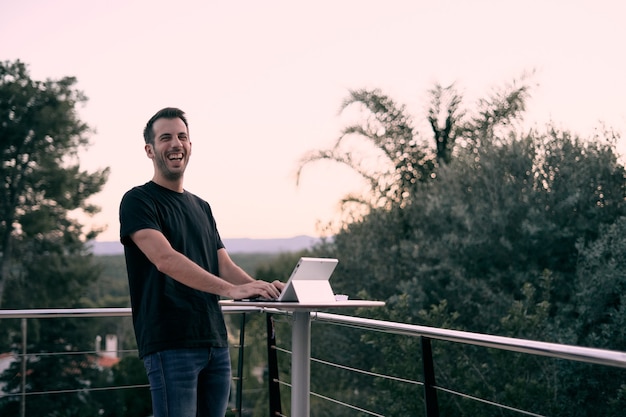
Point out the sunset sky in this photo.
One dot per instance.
(262, 83)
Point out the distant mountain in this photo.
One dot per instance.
(242, 245)
(292, 244)
(107, 248)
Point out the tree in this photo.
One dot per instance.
(513, 233)
(445, 104)
(493, 245)
(387, 133)
(40, 135)
(598, 309)
(44, 260)
(392, 157)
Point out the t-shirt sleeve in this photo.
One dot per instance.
(137, 212)
(209, 213)
(220, 244)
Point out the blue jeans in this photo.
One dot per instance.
(189, 382)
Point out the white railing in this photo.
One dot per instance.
(603, 357)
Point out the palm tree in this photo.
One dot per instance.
(386, 150)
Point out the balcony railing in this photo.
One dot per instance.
(605, 358)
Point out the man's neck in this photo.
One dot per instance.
(174, 185)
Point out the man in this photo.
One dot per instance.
(177, 270)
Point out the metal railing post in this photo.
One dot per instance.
(24, 350)
(272, 365)
(242, 334)
(430, 393)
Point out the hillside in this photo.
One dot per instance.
(237, 245)
(111, 289)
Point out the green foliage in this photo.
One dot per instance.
(40, 135)
(387, 132)
(392, 157)
(252, 262)
(135, 401)
(49, 372)
(517, 234)
(598, 309)
(599, 301)
(44, 262)
(486, 234)
(111, 288)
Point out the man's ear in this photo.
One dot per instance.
(149, 150)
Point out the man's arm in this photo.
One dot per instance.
(173, 263)
(230, 271)
(233, 273)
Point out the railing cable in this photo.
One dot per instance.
(368, 373)
(73, 391)
(567, 352)
(482, 400)
(353, 407)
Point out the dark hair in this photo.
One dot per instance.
(166, 113)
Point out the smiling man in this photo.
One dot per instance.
(177, 270)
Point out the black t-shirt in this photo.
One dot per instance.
(166, 313)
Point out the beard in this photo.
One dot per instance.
(169, 174)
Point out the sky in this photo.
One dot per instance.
(262, 83)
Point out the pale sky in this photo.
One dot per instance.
(262, 81)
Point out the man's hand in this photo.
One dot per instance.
(258, 288)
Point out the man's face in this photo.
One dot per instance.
(171, 149)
